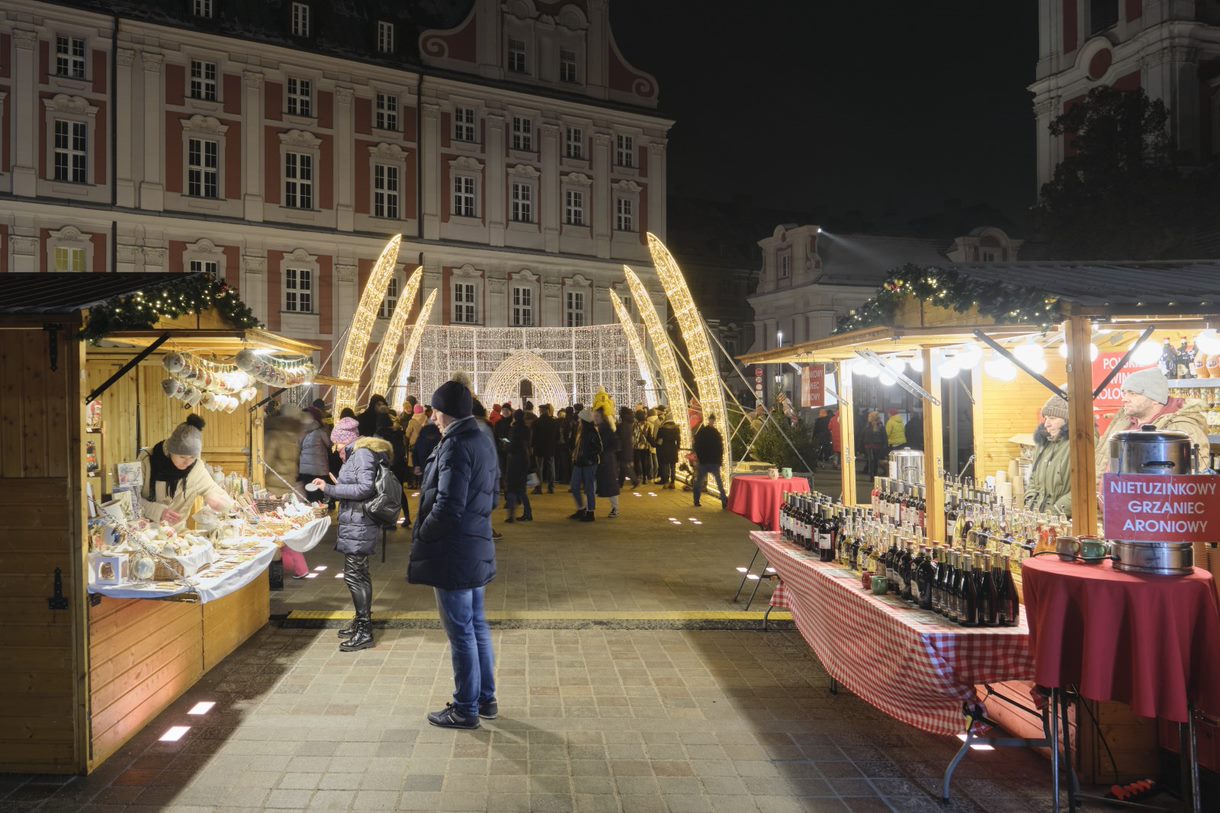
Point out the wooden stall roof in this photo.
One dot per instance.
(38, 294)
(882, 340)
(219, 341)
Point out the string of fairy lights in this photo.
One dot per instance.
(193, 293)
(388, 352)
(637, 348)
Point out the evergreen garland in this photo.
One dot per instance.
(1006, 304)
(194, 293)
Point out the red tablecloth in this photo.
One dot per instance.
(758, 498)
(1152, 642)
(912, 664)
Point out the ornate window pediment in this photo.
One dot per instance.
(387, 152)
(523, 171)
(578, 179)
(63, 103)
(467, 163)
(300, 139)
(627, 186)
(205, 125)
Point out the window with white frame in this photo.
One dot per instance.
(464, 196)
(464, 304)
(624, 150)
(298, 180)
(385, 190)
(574, 207)
(69, 57)
(385, 37)
(624, 214)
(298, 290)
(202, 8)
(521, 199)
(390, 302)
(463, 124)
(386, 115)
(517, 56)
(203, 80)
(785, 264)
(523, 306)
(202, 168)
(574, 309)
(69, 259)
(300, 20)
(523, 133)
(71, 151)
(209, 267)
(626, 300)
(574, 143)
(300, 97)
(567, 66)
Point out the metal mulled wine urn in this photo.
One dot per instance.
(906, 465)
(1149, 450)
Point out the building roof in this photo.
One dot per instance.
(867, 259)
(58, 293)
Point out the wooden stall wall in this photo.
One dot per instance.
(1007, 408)
(45, 679)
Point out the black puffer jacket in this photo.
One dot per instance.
(709, 446)
(517, 468)
(587, 443)
(669, 439)
(608, 482)
(358, 533)
(451, 547)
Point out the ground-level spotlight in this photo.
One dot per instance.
(741, 570)
(175, 733)
(976, 746)
(202, 707)
(320, 568)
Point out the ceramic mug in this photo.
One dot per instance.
(866, 580)
(1093, 550)
(786, 473)
(773, 473)
(880, 585)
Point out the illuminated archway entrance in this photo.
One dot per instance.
(509, 381)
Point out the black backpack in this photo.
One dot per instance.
(385, 506)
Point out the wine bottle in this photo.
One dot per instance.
(1008, 603)
(986, 591)
(970, 593)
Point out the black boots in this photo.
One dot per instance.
(361, 639)
(359, 634)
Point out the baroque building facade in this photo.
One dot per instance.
(279, 144)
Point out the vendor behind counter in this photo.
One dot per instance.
(174, 476)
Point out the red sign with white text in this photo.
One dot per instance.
(815, 385)
(1110, 400)
(1162, 508)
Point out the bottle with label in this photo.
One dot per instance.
(824, 536)
(985, 587)
(1008, 603)
(968, 615)
(906, 572)
(953, 596)
(936, 593)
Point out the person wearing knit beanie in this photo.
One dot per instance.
(1150, 383)
(453, 399)
(1055, 407)
(1050, 478)
(174, 477)
(345, 433)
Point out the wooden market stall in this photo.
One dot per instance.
(1088, 318)
(85, 673)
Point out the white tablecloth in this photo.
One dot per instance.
(308, 536)
(230, 573)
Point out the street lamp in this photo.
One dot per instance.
(779, 338)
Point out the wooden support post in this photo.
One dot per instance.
(847, 432)
(1079, 336)
(933, 450)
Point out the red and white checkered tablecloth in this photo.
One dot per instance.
(911, 664)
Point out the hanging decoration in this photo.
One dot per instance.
(194, 293)
(393, 335)
(198, 381)
(275, 371)
(362, 323)
(413, 340)
(1005, 303)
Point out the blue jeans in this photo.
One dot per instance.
(586, 477)
(701, 482)
(474, 663)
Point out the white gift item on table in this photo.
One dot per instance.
(143, 568)
(109, 568)
(195, 558)
(1001, 477)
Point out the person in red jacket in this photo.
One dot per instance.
(836, 439)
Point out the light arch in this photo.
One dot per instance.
(671, 377)
(413, 340)
(504, 383)
(393, 336)
(637, 348)
(362, 324)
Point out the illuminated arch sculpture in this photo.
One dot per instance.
(393, 336)
(708, 384)
(637, 348)
(362, 324)
(671, 377)
(503, 384)
(413, 340)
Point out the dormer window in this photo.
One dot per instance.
(784, 264)
(385, 37)
(203, 8)
(517, 56)
(300, 20)
(567, 67)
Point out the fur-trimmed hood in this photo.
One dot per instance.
(373, 444)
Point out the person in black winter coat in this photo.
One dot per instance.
(546, 446)
(517, 469)
(607, 470)
(358, 532)
(914, 430)
(370, 418)
(669, 439)
(586, 455)
(501, 430)
(563, 447)
(452, 550)
(626, 450)
(709, 449)
(429, 437)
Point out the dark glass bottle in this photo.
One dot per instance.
(936, 594)
(969, 614)
(986, 591)
(906, 572)
(953, 595)
(925, 573)
(1008, 603)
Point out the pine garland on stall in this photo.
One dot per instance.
(194, 293)
(946, 288)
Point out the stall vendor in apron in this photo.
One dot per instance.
(174, 476)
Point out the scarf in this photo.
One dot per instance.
(163, 470)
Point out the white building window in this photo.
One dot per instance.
(464, 196)
(574, 207)
(522, 200)
(203, 80)
(574, 309)
(785, 264)
(385, 191)
(300, 20)
(523, 134)
(69, 259)
(71, 151)
(385, 37)
(624, 150)
(202, 8)
(624, 214)
(523, 306)
(386, 116)
(464, 304)
(463, 124)
(391, 300)
(574, 143)
(70, 57)
(517, 56)
(567, 66)
(298, 290)
(202, 168)
(209, 267)
(300, 97)
(298, 180)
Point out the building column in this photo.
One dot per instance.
(656, 188)
(152, 188)
(599, 195)
(430, 166)
(124, 94)
(252, 157)
(345, 145)
(25, 112)
(346, 294)
(493, 179)
(254, 283)
(549, 188)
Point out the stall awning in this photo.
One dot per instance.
(882, 340)
(221, 342)
(55, 293)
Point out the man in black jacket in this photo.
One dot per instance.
(709, 449)
(452, 551)
(546, 442)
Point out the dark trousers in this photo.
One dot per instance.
(669, 472)
(626, 469)
(356, 576)
(515, 497)
(546, 473)
(643, 464)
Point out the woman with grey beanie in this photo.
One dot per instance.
(174, 477)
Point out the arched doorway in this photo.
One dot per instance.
(524, 371)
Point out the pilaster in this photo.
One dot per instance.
(549, 190)
(252, 158)
(345, 176)
(494, 179)
(152, 188)
(25, 113)
(600, 194)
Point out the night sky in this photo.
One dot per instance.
(889, 108)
